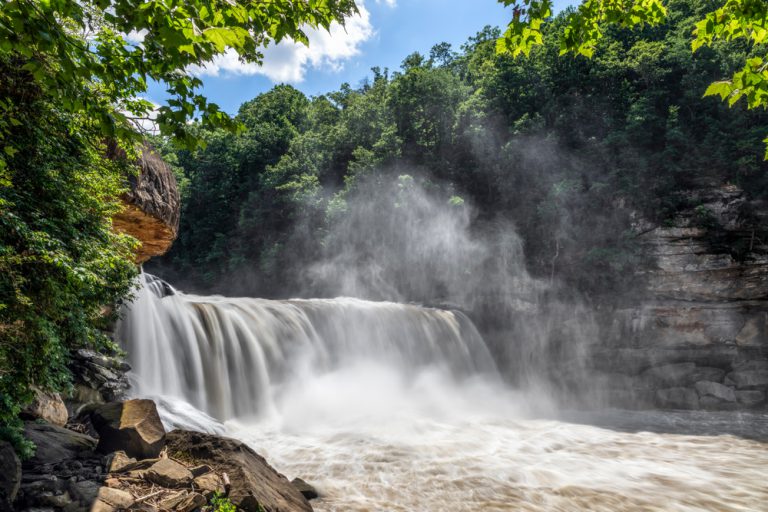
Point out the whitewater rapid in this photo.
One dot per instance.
(390, 407)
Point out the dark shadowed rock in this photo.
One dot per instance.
(678, 398)
(56, 444)
(749, 378)
(305, 489)
(750, 398)
(254, 483)
(10, 475)
(132, 426)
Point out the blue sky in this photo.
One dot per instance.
(386, 32)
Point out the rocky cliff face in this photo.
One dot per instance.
(698, 336)
(152, 207)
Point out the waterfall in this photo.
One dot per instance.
(232, 357)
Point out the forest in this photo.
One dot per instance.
(568, 150)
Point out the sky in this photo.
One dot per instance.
(385, 32)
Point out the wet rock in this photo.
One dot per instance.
(305, 489)
(254, 483)
(169, 473)
(116, 498)
(749, 378)
(132, 426)
(677, 398)
(56, 444)
(47, 406)
(10, 475)
(713, 389)
(750, 398)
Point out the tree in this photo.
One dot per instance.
(585, 27)
(95, 57)
(72, 74)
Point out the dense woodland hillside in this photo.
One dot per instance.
(565, 149)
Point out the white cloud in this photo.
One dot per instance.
(289, 60)
(389, 3)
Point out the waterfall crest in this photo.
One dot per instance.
(230, 357)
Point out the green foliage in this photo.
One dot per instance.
(60, 262)
(567, 150)
(586, 26)
(72, 74)
(84, 56)
(221, 503)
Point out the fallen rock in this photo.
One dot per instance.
(115, 497)
(750, 398)
(132, 426)
(305, 489)
(713, 389)
(46, 406)
(120, 462)
(678, 398)
(255, 485)
(169, 473)
(10, 475)
(209, 484)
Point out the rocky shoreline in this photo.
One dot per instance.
(97, 452)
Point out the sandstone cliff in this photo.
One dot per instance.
(152, 207)
(698, 334)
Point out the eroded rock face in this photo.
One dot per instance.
(698, 334)
(254, 483)
(152, 207)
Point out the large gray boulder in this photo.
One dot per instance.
(255, 485)
(132, 426)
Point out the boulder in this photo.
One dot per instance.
(750, 398)
(10, 475)
(84, 491)
(132, 426)
(749, 378)
(677, 398)
(255, 485)
(120, 462)
(169, 473)
(305, 489)
(707, 388)
(56, 444)
(117, 498)
(47, 406)
(209, 484)
(151, 207)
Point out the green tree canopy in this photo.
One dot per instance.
(585, 27)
